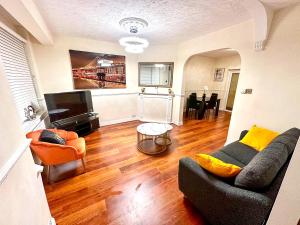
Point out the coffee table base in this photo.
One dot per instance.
(153, 145)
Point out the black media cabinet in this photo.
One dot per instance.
(82, 124)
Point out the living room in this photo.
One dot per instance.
(126, 174)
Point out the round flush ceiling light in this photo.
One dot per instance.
(134, 49)
(133, 25)
(134, 41)
(133, 44)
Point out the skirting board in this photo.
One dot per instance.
(178, 123)
(152, 121)
(123, 120)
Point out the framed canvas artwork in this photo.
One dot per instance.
(219, 74)
(97, 70)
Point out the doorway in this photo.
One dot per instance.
(233, 78)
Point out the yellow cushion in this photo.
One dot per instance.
(258, 137)
(217, 166)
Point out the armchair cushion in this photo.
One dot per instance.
(51, 137)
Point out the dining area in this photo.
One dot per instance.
(201, 107)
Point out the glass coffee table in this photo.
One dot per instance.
(153, 138)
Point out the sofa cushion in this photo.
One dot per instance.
(227, 158)
(259, 137)
(289, 138)
(240, 152)
(263, 168)
(217, 166)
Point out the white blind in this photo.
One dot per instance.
(14, 60)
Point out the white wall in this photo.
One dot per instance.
(229, 63)
(273, 74)
(199, 72)
(22, 195)
(55, 75)
(113, 105)
(160, 53)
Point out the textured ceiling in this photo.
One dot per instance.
(170, 21)
(277, 4)
(220, 53)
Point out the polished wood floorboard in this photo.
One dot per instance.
(123, 186)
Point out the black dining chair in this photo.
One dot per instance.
(202, 109)
(211, 104)
(194, 94)
(192, 105)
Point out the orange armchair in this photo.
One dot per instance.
(53, 154)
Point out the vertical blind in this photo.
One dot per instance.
(149, 75)
(16, 68)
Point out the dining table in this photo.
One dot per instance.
(200, 99)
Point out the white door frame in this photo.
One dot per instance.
(228, 81)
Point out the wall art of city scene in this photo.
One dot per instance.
(97, 70)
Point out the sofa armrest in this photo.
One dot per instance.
(218, 201)
(243, 133)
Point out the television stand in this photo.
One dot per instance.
(82, 125)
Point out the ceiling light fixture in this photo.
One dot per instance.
(133, 44)
(133, 25)
(134, 49)
(134, 41)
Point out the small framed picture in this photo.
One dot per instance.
(219, 74)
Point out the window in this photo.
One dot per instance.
(14, 61)
(156, 74)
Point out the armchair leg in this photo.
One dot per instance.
(48, 173)
(83, 164)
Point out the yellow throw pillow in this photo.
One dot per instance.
(217, 166)
(258, 137)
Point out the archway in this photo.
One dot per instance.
(210, 72)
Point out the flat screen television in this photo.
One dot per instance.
(68, 104)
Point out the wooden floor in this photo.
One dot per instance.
(125, 187)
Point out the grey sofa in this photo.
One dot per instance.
(222, 202)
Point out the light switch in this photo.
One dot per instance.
(246, 91)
